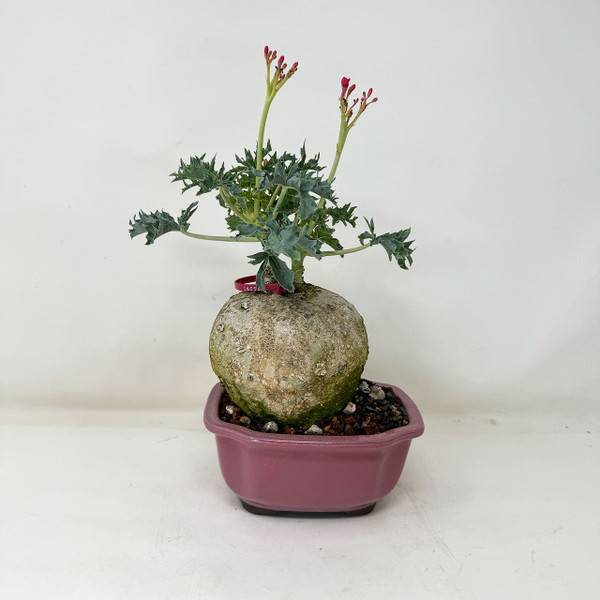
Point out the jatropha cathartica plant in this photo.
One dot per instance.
(281, 201)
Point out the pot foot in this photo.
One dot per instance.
(269, 512)
(258, 510)
(361, 511)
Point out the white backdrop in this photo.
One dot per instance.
(485, 141)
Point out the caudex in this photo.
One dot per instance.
(281, 201)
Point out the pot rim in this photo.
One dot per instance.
(414, 428)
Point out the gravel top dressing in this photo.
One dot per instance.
(373, 409)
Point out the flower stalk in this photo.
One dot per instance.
(347, 122)
(348, 118)
(274, 84)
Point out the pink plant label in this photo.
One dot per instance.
(248, 284)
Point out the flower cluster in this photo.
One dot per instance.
(280, 76)
(347, 108)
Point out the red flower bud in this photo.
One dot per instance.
(280, 60)
(345, 82)
(352, 87)
(369, 92)
(266, 50)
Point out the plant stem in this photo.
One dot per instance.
(218, 238)
(273, 196)
(345, 250)
(339, 148)
(231, 205)
(343, 134)
(281, 197)
(261, 129)
(298, 268)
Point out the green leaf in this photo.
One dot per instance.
(395, 244)
(260, 276)
(290, 240)
(368, 235)
(233, 222)
(282, 240)
(202, 174)
(257, 258)
(332, 242)
(309, 245)
(342, 214)
(245, 229)
(153, 225)
(160, 222)
(309, 164)
(185, 216)
(137, 227)
(282, 273)
(396, 247)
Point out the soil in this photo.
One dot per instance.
(372, 410)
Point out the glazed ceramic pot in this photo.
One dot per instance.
(274, 472)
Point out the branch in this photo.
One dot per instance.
(281, 197)
(231, 205)
(217, 238)
(345, 250)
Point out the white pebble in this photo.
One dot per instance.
(270, 427)
(350, 408)
(230, 409)
(313, 430)
(364, 387)
(376, 393)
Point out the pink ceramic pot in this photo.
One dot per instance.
(273, 472)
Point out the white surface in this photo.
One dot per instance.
(485, 140)
(487, 508)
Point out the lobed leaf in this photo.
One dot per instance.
(394, 243)
(282, 273)
(202, 174)
(160, 222)
(342, 214)
(153, 225)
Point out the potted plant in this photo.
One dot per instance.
(296, 426)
